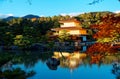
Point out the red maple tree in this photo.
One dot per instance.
(108, 28)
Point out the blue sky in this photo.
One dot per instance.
(54, 7)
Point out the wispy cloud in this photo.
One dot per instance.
(5, 15)
(71, 14)
(118, 11)
(42, 15)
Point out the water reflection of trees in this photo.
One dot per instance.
(52, 63)
(15, 74)
(110, 59)
(101, 49)
(75, 59)
(8, 72)
(4, 58)
(98, 51)
(116, 69)
(27, 58)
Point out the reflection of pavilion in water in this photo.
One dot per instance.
(66, 46)
(69, 60)
(74, 60)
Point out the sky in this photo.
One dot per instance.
(54, 7)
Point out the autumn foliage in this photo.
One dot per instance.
(105, 32)
(98, 50)
(108, 28)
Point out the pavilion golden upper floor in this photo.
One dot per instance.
(71, 26)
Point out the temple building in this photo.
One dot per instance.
(74, 28)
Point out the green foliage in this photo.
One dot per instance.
(6, 36)
(88, 19)
(63, 36)
(16, 74)
(5, 57)
(3, 23)
(22, 41)
(103, 40)
(44, 38)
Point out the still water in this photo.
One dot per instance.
(82, 72)
(68, 65)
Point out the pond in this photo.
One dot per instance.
(56, 65)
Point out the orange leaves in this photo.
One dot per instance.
(96, 59)
(100, 48)
(116, 47)
(107, 31)
(109, 27)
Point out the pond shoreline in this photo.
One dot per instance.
(46, 46)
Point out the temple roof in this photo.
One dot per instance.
(68, 28)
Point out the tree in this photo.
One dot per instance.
(63, 36)
(108, 30)
(91, 18)
(97, 1)
(6, 36)
(101, 49)
(22, 41)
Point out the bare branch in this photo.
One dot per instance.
(95, 1)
